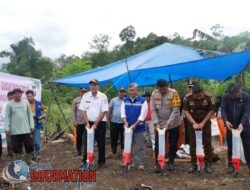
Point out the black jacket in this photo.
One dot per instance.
(235, 110)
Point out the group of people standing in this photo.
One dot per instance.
(161, 109)
(23, 123)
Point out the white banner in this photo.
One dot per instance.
(8, 82)
(214, 127)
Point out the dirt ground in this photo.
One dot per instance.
(60, 155)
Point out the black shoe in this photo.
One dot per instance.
(193, 168)
(208, 168)
(230, 169)
(11, 155)
(170, 166)
(163, 172)
(157, 168)
(114, 151)
(77, 154)
(101, 165)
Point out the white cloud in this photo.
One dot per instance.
(63, 26)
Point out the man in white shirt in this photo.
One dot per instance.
(94, 105)
(133, 113)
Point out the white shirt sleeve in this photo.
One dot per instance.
(104, 104)
(144, 110)
(82, 105)
(123, 114)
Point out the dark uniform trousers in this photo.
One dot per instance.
(207, 142)
(187, 126)
(173, 140)
(79, 139)
(116, 130)
(100, 135)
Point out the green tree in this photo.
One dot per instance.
(217, 31)
(79, 65)
(100, 42)
(65, 93)
(64, 60)
(127, 35)
(25, 60)
(101, 55)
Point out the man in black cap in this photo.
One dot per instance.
(198, 109)
(165, 108)
(235, 109)
(78, 121)
(19, 124)
(116, 126)
(94, 105)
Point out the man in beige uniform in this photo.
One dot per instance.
(164, 104)
(78, 121)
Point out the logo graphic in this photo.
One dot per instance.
(16, 172)
(86, 185)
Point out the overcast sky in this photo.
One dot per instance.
(67, 26)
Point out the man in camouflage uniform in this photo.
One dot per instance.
(198, 109)
(165, 103)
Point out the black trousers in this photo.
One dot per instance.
(116, 131)
(0, 145)
(9, 145)
(100, 135)
(79, 138)
(245, 137)
(23, 139)
(206, 140)
(186, 125)
(173, 140)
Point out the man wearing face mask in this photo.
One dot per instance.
(234, 109)
(198, 109)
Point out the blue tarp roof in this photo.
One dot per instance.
(166, 60)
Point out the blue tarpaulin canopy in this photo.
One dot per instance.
(164, 61)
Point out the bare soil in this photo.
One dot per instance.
(60, 155)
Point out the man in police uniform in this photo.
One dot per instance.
(164, 104)
(94, 105)
(198, 109)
